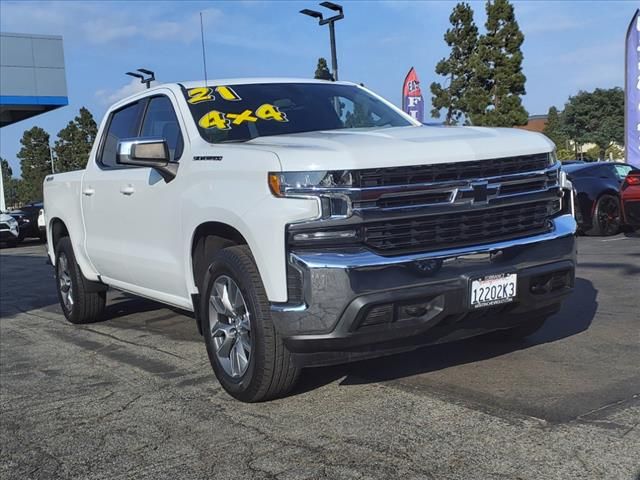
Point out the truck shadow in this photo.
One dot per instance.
(575, 316)
(28, 284)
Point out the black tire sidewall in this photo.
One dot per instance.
(224, 264)
(597, 230)
(64, 246)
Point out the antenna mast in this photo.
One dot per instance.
(204, 56)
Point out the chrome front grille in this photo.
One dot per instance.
(398, 210)
(384, 177)
(450, 230)
(478, 190)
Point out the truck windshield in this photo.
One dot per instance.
(237, 113)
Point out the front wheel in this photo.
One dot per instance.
(79, 304)
(246, 353)
(607, 218)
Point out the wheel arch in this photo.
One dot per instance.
(57, 230)
(207, 239)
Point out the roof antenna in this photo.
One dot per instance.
(147, 81)
(204, 57)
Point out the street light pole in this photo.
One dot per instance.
(332, 30)
(51, 158)
(334, 57)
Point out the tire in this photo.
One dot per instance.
(607, 217)
(85, 306)
(268, 372)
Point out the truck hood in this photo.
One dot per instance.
(399, 146)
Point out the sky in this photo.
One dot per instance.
(569, 46)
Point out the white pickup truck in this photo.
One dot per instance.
(309, 223)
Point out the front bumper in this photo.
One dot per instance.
(631, 211)
(8, 235)
(356, 304)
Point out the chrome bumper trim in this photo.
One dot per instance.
(563, 226)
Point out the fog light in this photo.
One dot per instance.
(328, 235)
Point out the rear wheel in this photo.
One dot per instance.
(246, 353)
(79, 304)
(607, 217)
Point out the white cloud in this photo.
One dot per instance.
(107, 97)
(104, 23)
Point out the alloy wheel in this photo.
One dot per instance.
(609, 215)
(230, 326)
(64, 282)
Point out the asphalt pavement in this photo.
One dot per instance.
(133, 396)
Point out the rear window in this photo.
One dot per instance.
(237, 113)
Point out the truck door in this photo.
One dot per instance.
(150, 208)
(101, 198)
(135, 227)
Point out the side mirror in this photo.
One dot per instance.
(147, 152)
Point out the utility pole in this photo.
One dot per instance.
(51, 158)
(332, 30)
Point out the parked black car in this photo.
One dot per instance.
(597, 185)
(27, 218)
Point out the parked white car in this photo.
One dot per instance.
(42, 224)
(308, 222)
(9, 230)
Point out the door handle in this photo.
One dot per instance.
(88, 191)
(127, 189)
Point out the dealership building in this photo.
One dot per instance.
(32, 79)
(32, 76)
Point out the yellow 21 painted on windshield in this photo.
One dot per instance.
(205, 94)
(224, 121)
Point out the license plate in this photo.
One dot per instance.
(493, 290)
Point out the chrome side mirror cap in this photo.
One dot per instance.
(150, 152)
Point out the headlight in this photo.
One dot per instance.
(287, 184)
(329, 187)
(13, 224)
(553, 158)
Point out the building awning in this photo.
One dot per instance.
(14, 108)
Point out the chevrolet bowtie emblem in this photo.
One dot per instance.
(480, 192)
(477, 193)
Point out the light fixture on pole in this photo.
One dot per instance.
(332, 32)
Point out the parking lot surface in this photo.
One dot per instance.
(134, 397)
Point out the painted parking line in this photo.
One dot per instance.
(615, 239)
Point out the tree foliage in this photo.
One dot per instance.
(359, 118)
(554, 129)
(7, 171)
(35, 163)
(74, 142)
(462, 38)
(9, 184)
(498, 82)
(595, 117)
(322, 70)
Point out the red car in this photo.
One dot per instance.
(630, 196)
